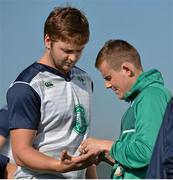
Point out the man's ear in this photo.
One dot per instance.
(128, 69)
(47, 41)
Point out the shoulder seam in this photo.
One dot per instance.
(19, 82)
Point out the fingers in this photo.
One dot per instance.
(83, 149)
(86, 143)
(65, 155)
(90, 144)
(90, 156)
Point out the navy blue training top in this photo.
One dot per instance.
(3, 163)
(161, 164)
(4, 122)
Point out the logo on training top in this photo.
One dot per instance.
(80, 122)
(82, 80)
(48, 84)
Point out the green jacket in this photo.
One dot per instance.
(139, 126)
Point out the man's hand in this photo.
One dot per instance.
(97, 146)
(70, 163)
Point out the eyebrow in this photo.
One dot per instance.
(72, 50)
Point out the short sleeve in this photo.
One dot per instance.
(24, 107)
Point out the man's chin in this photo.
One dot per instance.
(68, 68)
(120, 97)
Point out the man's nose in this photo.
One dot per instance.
(73, 56)
(108, 84)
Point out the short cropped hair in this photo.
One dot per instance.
(67, 24)
(116, 52)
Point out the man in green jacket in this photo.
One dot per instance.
(120, 65)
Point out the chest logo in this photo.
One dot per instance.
(82, 80)
(48, 84)
(80, 120)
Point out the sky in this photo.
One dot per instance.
(146, 24)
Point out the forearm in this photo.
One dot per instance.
(133, 155)
(31, 158)
(26, 155)
(38, 161)
(106, 145)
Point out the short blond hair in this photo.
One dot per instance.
(116, 52)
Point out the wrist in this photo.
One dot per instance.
(107, 145)
(57, 166)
